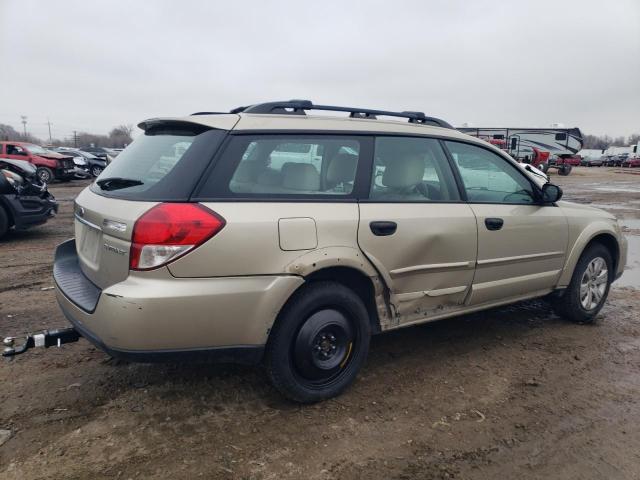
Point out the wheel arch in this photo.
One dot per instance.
(607, 238)
(349, 267)
(356, 281)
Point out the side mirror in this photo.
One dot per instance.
(551, 193)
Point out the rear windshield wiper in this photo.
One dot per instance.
(116, 183)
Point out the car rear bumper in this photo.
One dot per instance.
(154, 316)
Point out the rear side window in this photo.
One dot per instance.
(286, 166)
(164, 164)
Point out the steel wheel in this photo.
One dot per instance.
(593, 284)
(322, 349)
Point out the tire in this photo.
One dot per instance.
(96, 170)
(564, 170)
(544, 167)
(4, 222)
(571, 304)
(44, 174)
(319, 343)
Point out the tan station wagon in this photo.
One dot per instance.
(271, 235)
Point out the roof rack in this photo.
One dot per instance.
(299, 107)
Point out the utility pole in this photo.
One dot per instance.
(24, 125)
(75, 138)
(49, 125)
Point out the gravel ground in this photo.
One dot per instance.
(509, 393)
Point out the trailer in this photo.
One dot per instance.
(526, 144)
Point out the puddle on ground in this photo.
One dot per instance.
(611, 206)
(624, 189)
(631, 223)
(631, 275)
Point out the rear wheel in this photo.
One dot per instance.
(4, 222)
(589, 287)
(319, 343)
(44, 174)
(564, 170)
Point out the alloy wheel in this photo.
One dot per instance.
(594, 283)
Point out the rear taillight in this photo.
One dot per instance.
(170, 230)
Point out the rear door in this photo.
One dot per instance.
(521, 243)
(416, 230)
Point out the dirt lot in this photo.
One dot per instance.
(509, 393)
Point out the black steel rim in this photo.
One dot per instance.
(323, 348)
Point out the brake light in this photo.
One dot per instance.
(170, 230)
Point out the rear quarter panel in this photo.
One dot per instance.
(251, 243)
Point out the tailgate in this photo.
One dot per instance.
(103, 229)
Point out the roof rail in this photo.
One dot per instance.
(298, 107)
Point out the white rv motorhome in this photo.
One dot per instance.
(520, 142)
(591, 153)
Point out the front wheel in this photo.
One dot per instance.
(319, 343)
(44, 174)
(96, 170)
(589, 286)
(544, 167)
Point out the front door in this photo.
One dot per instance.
(415, 229)
(16, 152)
(521, 243)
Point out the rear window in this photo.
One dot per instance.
(286, 166)
(164, 164)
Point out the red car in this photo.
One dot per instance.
(573, 160)
(631, 162)
(50, 165)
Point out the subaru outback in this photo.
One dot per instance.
(269, 235)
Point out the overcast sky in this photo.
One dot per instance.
(90, 65)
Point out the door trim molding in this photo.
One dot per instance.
(432, 266)
(520, 258)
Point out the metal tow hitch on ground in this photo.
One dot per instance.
(46, 339)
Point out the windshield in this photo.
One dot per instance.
(86, 154)
(36, 149)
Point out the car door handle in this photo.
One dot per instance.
(382, 229)
(493, 223)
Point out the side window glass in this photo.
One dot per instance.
(489, 178)
(16, 150)
(293, 165)
(411, 170)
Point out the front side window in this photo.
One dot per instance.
(411, 170)
(269, 165)
(489, 178)
(16, 150)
